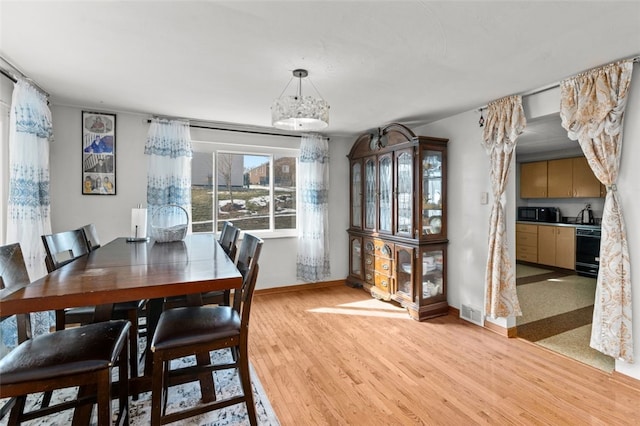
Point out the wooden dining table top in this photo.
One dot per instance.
(122, 271)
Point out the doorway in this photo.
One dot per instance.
(557, 304)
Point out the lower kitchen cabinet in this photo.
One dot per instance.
(557, 246)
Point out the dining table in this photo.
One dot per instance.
(123, 271)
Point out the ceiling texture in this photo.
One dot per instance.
(374, 62)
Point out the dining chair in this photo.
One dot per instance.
(198, 330)
(82, 356)
(66, 246)
(91, 236)
(227, 240)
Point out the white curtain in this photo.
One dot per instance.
(169, 171)
(505, 122)
(28, 207)
(592, 110)
(313, 209)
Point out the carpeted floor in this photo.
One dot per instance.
(226, 382)
(557, 308)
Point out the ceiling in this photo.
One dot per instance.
(375, 62)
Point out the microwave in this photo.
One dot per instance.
(539, 214)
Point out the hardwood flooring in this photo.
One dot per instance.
(334, 356)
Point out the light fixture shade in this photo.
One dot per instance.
(301, 113)
(304, 113)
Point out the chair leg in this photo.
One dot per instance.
(104, 397)
(17, 410)
(207, 388)
(157, 390)
(247, 389)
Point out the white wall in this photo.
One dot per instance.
(111, 214)
(468, 220)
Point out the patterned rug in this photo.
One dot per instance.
(227, 384)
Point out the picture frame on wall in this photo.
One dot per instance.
(98, 153)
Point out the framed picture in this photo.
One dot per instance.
(98, 153)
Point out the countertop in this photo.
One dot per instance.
(571, 225)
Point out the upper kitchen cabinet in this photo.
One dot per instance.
(533, 180)
(398, 226)
(562, 178)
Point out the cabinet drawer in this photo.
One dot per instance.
(529, 251)
(383, 282)
(527, 257)
(384, 266)
(369, 276)
(369, 261)
(526, 239)
(521, 227)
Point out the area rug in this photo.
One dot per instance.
(227, 384)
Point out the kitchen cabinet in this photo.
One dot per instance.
(398, 217)
(557, 246)
(533, 180)
(585, 183)
(527, 242)
(562, 178)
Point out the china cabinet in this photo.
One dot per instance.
(398, 227)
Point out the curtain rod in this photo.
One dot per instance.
(635, 59)
(196, 126)
(11, 75)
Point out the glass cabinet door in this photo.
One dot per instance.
(432, 192)
(432, 272)
(386, 193)
(370, 193)
(404, 190)
(356, 194)
(404, 270)
(356, 257)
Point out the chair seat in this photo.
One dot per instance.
(71, 351)
(195, 324)
(85, 314)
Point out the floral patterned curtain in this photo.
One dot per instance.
(505, 122)
(169, 171)
(592, 110)
(28, 207)
(313, 209)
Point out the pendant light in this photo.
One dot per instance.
(298, 112)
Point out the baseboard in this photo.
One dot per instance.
(510, 332)
(300, 287)
(454, 312)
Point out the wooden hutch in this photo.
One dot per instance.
(398, 219)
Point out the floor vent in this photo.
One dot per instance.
(472, 314)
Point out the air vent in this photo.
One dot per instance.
(472, 314)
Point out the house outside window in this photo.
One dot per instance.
(254, 189)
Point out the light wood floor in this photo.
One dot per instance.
(333, 356)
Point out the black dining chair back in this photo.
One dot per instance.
(64, 247)
(82, 356)
(228, 239)
(91, 236)
(198, 330)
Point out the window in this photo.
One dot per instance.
(255, 189)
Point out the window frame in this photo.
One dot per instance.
(214, 148)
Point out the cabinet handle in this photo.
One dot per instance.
(368, 276)
(368, 261)
(385, 267)
(384, 284)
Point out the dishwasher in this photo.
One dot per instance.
(587, 251)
